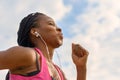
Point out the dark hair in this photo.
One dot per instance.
(25, 26)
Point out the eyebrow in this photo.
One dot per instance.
(50, 20)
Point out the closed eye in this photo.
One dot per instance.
(51, 23)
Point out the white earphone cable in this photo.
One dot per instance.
(44, 43)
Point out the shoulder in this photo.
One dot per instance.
(19, 51)
(25, 54)
(18, 56)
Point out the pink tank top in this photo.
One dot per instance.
(42, 75)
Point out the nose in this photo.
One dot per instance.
(59, 29)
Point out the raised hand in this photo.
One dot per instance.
(79, 55)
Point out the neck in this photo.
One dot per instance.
(48, 54)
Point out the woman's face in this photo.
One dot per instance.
(50, 32)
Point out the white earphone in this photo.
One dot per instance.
(39, 36)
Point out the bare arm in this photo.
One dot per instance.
(79, 56)
(16, 57)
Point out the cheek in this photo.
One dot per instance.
(54, 40)
(57, 40)
(51, 32)
(51, 36)
(47, 32)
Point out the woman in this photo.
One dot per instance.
(38, 36)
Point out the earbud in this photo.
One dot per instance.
(37, 34)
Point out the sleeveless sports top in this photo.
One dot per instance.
(43, 74)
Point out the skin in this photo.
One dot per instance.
(22, 60)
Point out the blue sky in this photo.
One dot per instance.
(95, 24)
(69, 19)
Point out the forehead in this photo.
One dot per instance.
(45, 18)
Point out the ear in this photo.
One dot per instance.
(33, 30)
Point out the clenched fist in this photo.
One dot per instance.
(79, 55)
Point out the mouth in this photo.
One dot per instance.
(61, 36)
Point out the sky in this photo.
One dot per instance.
(94, 24)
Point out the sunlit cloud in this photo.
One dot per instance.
(97, 28)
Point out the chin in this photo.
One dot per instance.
(59, 44)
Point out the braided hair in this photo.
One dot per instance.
(26, 24)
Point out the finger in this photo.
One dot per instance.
(76, 50)
(79, 50)
(73, 47)
(74, 57)
(83, 50)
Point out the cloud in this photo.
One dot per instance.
(97, 28)
(56, 9)
(12, 12)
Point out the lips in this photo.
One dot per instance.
(61, 35)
